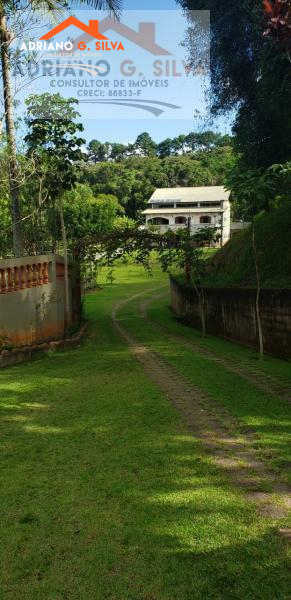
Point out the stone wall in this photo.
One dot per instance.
(32, 299)
(230, 313)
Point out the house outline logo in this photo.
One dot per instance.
(145, 37)
(92, 29)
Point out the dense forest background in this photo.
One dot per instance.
(100, 186)
(132, 172)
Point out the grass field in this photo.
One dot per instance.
(105, 494)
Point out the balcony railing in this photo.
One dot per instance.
(194, 227)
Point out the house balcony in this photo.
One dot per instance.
(194, 227)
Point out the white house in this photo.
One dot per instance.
(206, 206)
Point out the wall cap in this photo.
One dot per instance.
(8, 263)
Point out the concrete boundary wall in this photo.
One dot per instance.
(9, 358)
(230, 313)
(32, 300)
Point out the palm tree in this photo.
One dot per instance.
(48, 9)
(10, 132)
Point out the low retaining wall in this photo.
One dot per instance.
(32, 300)
(230, 313)
(10, 358)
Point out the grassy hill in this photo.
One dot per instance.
(233, 265)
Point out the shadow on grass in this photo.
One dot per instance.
(103, 493)
(107, 496)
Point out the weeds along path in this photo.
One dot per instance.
(252, 373)
(229, 448)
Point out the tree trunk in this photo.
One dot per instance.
(11, 138)
(188, 269)
(187, 265)
(202, 302)
(66, 265)
(258, 292)
(77, 291)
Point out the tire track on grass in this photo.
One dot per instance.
(228, 450)
(251, 373)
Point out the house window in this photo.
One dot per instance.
(164, 205)
(158, 221)
(180, 220)
(213, 204)
(205, 219)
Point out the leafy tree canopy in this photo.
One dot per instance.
(250, 74)
(144, 146)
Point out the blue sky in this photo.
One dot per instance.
(127, 130)
(183, 92)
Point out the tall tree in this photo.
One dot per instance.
(48, 9)
(145, 145)
(97, 151)
(53, 138)
(165, 148)
(251, 75)
(117, 151)
(179, 144)
(5, 40)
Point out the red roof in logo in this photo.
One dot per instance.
(92, 29)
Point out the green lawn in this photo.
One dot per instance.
(104, 493)
(281, 369)
(268, 418)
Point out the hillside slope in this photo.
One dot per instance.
(233, 265)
